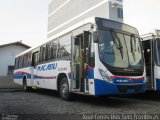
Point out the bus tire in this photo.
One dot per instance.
(64, 89)
(25, 87)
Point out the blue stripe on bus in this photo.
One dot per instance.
(91, 73)
(158, 84)
(20, 75)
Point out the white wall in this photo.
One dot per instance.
(7, 57)
(70, 12)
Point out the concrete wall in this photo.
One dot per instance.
(55, 4)
(70, 12)
(7, 57)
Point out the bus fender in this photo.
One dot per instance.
(59, 78)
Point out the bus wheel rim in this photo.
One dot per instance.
(64, 89)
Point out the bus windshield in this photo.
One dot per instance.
(158, 51)
(120, 50)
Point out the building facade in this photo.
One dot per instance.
(7, 56)
(65, 13)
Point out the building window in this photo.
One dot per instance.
(120, 12)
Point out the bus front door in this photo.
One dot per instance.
(79, 63)
(149, 56)
(75, 64)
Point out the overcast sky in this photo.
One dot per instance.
(26, 20)
(142, 14)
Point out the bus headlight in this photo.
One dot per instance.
(105, 76)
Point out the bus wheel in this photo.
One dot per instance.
(25, 85)
(64, 89)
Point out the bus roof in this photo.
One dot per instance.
(116, 25)
(155, 34)
(92, 20)
(149, 36)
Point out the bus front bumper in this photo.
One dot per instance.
(104, 88)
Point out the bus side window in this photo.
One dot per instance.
(59, 53)
(29, 58)
(43, 53)
(35, 57)
(53, 50)
(16, 63)
(64, 46)
(21, 62)
(40, 54)
(25, 60)
(47, 52)
(19, 66)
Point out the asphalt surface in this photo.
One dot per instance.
(16, 104)
(46, 104)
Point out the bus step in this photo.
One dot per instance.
(34, 87)
(82, 93)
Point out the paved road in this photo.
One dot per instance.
(45, 104)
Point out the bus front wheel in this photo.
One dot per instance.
(64, 89)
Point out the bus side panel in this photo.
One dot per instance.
(20, 73)
(91, 81)
(156, 78)
(17, 78)
(47, 73)
(104, 88)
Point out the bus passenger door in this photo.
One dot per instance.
(79, 63)
(156, 63)
(148, 54)
(75, 64)
(35, 58)
(86, 47)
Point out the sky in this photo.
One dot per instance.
(24, 20)
(142, 14)
(27, 20)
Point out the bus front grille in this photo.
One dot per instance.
(124, 88)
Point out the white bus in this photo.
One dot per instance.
(94, 57)
(151, 47)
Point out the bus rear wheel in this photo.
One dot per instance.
(64, 89)
(25, 87)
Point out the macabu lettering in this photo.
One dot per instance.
(47, 67)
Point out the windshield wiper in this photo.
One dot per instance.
(118, 45)
(133, 48)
